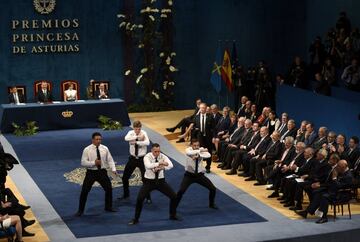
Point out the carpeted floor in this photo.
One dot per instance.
(47, 156)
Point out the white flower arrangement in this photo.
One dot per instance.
(141, 46)
(152, 1)
(166, 10)
(128, 25)
(171, 83)
(173, 54)
(152, 17)
(155, 95)
(121, 16)
(163, 16)
(172, 69)
(154, 10)
(146, 10)
(127, 72)
(122, 24)
(165, 85)
(170, 2)
(140, 26)
(168, 60)
(138, 79)
(144, 70)
(162, 54)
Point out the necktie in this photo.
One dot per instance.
(273, 143)
(197, 165)
(98, 156)
(16, 98)
(251, 139)
(357, 164)
(136, 148)
(203, 124)
(257, 146)
(45, 96)
(157, 172)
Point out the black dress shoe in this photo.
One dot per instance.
(24, 207)
(213, 206)
(285, 201)
(180, 141)
(231, 172)
(28, 223)
(110, 210)
(175, 217)
(270, 188)
(280, 198)
(79, 213)
(244, 174)
(250, 178)
(225, 168)
(289, 205)
(322, 220)
(302, 213)
(274, 194)
(296, 207)
(171, 130)
(27, 234)
(260, 184)
(133, 222)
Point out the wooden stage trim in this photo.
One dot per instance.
(159, 121)
(40, 235)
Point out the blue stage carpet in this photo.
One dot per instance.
(48, 155)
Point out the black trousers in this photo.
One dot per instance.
(91, 177)
(160, 185)
(200, 178)
(206, 142)
(129, 169)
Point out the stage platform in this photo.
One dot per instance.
(280, 224)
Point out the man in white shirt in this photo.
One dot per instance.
(155, 164)
(97, 159)
(194, 172)
(138, 142)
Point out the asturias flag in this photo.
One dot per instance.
(215, 78)
(226, 71)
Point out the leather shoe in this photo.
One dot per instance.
(285, 201)
(322, 220)
(274, 194)
(24, 207)
(231, 172)
(27, 234)
(302, 213)
(213, 206)
(270, 188)
(175, 217)
(79, 213)
(28, 223)
(171, 130)
(289, 205)
(250, 178)
(133, 222)
(225, 168)
(180, 141)
(260, 184)
(111, 210)
(244, 174)
(294, 208)
(280, 198)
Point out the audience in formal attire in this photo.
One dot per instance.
(44, 95)
(15, 96)
(102, 92)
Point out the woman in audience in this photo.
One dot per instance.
(273, 123)
(13, 220)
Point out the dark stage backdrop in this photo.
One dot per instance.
(99, 44)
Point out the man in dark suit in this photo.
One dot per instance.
(15, 96)
(204, 128)
(290, 130)
(102, 92)
(321, 139)
(353, 152)
(223, 124)
(310, 134)
(44, 95)
(241, 111)
(215, 114)
(272, 153)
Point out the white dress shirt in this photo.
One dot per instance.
(190, 163)
(131, 136)
(150, 163)
(70, 95)
(89, 156)
(16, 98)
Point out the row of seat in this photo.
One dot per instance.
(64, 85)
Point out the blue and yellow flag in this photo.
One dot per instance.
(215, 78)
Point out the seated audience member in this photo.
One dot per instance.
(330, 141)
(351, 75)
(44, 95)
(70, 94)
(273, 171)
(221, 127)
(247, 111)
(15, 96)
(102, 93)
(7, 221)
(353, 152)
(356, 172)
(263, 118)
(89, 90)
(340, 146)
(310, 134)
(322, 86)
(185, 122)
(290, 130)
(254, 114)
(318, 188)
(274, 122)
(318, 173)
(300, 134)
(283, 123)
(320, 140)
(215, 113)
